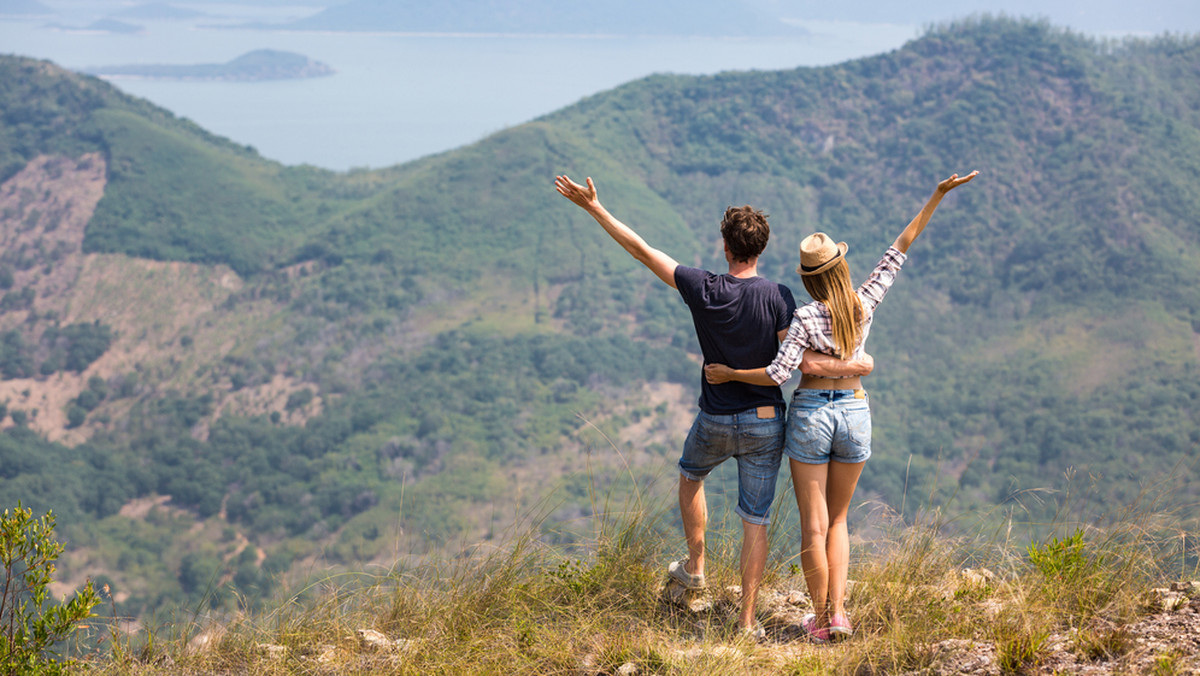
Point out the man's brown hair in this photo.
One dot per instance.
(745, 231)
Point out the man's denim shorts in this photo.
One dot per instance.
(826, 425)
(756, 443)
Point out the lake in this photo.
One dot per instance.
(397, 97)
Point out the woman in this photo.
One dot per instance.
(829, 420)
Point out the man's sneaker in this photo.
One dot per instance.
(814, 634)
(840, 628)
(677, 572)
(755, 633)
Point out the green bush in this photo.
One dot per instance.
(29, 628)
(1063, 560)
(76, 415)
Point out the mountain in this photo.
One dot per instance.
(1101, 17)
(611, 17)
(800, 19)
(218, 369)
(113, 26)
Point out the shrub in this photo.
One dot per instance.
(29, 628)
(76, 415)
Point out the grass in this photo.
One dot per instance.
(922, 593)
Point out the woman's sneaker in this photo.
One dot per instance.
(677, 572)
(814, 634)
(840, 628)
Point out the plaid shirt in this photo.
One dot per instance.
(812, 326)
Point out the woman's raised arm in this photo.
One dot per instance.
(918, 223)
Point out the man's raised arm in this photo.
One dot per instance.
(659, 263)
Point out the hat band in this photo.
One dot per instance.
(814, 268)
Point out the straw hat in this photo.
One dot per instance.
(818, 253)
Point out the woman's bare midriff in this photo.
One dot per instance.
(817, 383)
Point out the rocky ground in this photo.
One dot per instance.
(1166, 640)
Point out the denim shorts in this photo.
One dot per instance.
(826, 425)
(756, 443)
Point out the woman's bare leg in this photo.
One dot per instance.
(839, 491)
(809, 482)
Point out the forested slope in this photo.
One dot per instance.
(1049, 318)
(393, 361)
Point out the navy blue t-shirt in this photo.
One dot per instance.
(737, 322)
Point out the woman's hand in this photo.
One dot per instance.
(918, 223)
(716, 374)
(954, 181)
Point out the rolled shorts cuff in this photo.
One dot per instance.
(750, 518)
(688, 475)
(825, 461)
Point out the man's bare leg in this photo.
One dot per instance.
(694, 511)
(754, 562)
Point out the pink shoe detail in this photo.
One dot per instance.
(840, 628)
(816, 635)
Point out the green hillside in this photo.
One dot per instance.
(446, 327)
(1049, 319)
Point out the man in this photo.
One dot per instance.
(739, 318)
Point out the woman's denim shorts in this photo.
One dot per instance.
(757, 445)
(826, 425)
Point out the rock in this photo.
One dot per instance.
(205, 640)
(991, 608)
(1166, 600)
(374, 641)
(960, 656)
(978, 577)
(588, 663)
(627, 669)
(797, 598)
(726, 651)
(275, 652)
(1189, 589)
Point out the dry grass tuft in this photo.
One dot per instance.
(928, 597)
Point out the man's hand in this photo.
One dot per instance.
(662, 265)
(716, 374)
(944, 187)
(584, 197)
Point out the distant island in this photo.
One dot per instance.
(102, 26)
(261, 64)
(546, 17)
(159, 11)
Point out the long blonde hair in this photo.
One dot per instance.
(832, 287)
